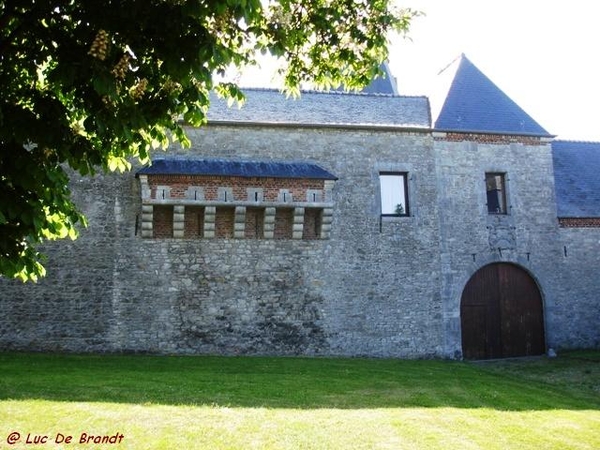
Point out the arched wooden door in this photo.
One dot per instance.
(501, 314)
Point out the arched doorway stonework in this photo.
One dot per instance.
(501, 314)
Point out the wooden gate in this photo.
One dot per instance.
(501, 314)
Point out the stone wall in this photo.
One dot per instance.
(576, 285)
(377, 286)
(74, 307)
(372, 288)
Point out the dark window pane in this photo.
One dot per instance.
(496, 193)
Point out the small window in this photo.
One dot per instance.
(495, 185)
(394, 194)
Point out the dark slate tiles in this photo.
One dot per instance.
(475, 104)
(236, 168)
(325, 108)
(577, 178)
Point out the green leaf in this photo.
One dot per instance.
(64, 90)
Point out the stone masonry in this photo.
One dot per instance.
(176, 265)
(346, 295)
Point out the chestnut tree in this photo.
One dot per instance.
(91, 84)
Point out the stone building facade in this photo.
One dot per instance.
(338, 224)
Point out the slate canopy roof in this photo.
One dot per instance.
(236, 168)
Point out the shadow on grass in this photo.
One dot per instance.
(304, 383)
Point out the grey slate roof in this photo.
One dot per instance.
(475, 104)
(325, 108)
(577, 178)
(236, 168)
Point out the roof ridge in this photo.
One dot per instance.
(242, 159)
(332, 92)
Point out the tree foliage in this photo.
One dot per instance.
(92, 83)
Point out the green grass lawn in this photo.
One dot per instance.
(163, 402)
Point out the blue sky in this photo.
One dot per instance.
(543, 54)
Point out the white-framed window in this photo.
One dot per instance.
(394, 193)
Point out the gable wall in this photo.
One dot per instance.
(471, 237)
(528, 236)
